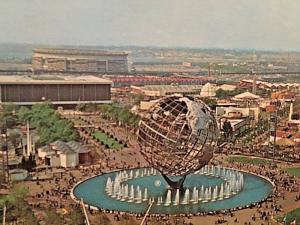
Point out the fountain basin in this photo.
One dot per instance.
(94, 192)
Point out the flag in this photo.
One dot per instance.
(293, 222)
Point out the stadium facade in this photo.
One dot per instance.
(79, 60)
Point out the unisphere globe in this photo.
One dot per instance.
(178, 135)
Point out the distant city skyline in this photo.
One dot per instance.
(227, 24)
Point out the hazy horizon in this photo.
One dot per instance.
(148, 46)
(267, 25)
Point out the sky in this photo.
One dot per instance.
(241, 24)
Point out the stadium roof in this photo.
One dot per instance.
(70, 51)
(52, 79)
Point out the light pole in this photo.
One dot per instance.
(273, 128)
(4, 149)
(4, 214)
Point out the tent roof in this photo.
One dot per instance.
(246, 95)
(285, 142)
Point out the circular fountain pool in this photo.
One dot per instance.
(209, 189)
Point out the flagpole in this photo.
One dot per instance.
(4, 214)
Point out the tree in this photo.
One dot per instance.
(119, 113)
(30, 219)
(76, 216)
(223, 94)
(80, 107)
(53, 218)
(14, 137)
(10, 121)
(24, 114)
(211, 102)
(48, 123)
(136, 98)
(87, 107)
(19, 192)
(17, 208)
(7, 116)
(227, 128)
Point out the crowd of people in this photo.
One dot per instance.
(289, 154)
(56, 192)
(283, 183)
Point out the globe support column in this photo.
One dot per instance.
(174, 184)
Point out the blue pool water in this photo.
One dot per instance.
(93, 193)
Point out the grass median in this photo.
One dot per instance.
(247, 160)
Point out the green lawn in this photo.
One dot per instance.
(291, 216)
(106, 140)
(293, 171)
(78, 121)
(247, 160)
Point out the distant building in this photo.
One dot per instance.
(283, 95)
(146, 105)
(248, 84)
(292, 115)
(238, 112)
(208, 90)
(187, 64)
(79, 60)
(238, 118)
(18, 174)
(127, 81)
(60, 90)
(163, 90)
(238, 125)
(227, 87)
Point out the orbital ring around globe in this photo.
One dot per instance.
(211, 189)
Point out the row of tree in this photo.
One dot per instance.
(49, 125)
(119, 113)
(114, 111)
(224, 94)
(261, 127)
(8, 118)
